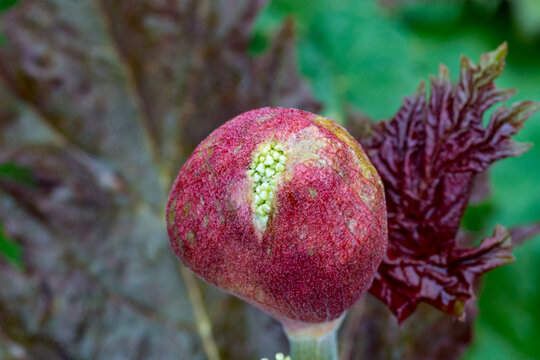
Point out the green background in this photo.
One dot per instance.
(357, 52)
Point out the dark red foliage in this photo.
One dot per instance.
(428, 156)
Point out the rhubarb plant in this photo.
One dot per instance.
(278, 226)
(102, 103)
(282, 208)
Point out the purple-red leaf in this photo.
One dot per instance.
(428, 156)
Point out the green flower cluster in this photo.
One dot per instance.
(268, 163)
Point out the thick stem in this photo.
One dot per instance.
(313, 341)
(316, 348)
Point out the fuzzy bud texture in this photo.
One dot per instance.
(283, 208)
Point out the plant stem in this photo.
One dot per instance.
(204, 326)
(316, 348)
(313, 341)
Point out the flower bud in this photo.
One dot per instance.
(282, 208)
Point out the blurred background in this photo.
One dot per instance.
(101, 102)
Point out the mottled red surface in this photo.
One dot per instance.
(326, 233)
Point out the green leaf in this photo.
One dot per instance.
(6, 4)
(17, 173)
(527, 13)
(10, 250)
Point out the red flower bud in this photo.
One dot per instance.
(282, 208)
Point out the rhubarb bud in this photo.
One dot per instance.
(282, 208)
